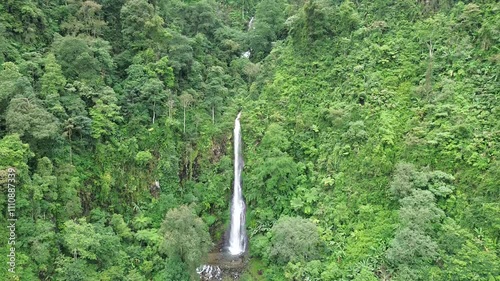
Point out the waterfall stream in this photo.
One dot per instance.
(249, 28)
(237, 233)
(250, 24)
(228, 260)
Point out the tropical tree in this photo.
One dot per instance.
(186, 236)
(294, 239)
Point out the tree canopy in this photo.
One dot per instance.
(370, 137)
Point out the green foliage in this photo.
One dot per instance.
(9, 81)
(294, 239)
(411, 246)
(143, 157)
(365, 275)
(407, 178)
(173, 269)
(148, 84)
(83, 58)
(268, 27)
(120, 227)
(141, 27)
(376, 121)
(27, 117)
(80, 239)
(474, 262)
(186, 236)
(105, 114)
(86, 18)
(40, 242)
(53, 83)
(14, 154)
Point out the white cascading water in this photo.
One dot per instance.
(250, 24)
(209, 272)
(237, 233)
(250, 27)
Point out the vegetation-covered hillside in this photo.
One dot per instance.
(371, 133)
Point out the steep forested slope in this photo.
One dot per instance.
(371, 137)
(386, 133)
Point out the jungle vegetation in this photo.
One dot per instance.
(371, 133)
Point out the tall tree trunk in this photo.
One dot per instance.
(170, 106)
(213, 114)
(154, 111)
(70, 149)
(184, 119)
(428, 74)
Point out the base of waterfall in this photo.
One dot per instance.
(221, 265)
(239, 248)
(209, 272)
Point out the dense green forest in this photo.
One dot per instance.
(371, 137)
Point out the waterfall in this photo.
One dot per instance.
(229, 260)
(250, 27)
(250, 24)
(237, 233)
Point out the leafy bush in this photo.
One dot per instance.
(294, 239)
